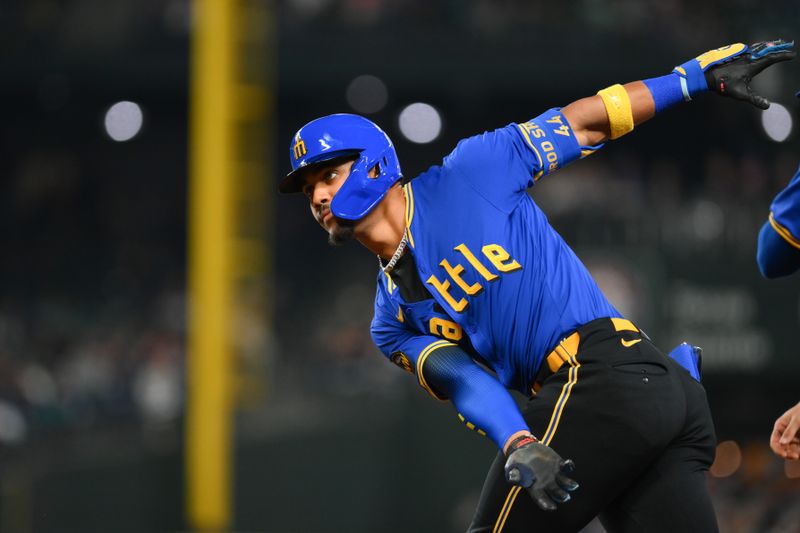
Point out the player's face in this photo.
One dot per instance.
(321, 185)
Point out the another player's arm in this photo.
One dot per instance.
(785, 438)
(726, 71)
(776, 257)
(779, 239)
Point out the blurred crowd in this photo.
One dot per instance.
(63, 371)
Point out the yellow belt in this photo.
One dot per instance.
(568, 347)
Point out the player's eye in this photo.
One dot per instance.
(329, 175)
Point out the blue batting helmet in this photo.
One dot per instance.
(339, 135)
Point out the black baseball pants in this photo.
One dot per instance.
(639, 430)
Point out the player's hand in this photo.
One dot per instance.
(785, 439)
(731, 76)
(540, 470)
(729, 70)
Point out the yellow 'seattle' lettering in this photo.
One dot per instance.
(455, 273)
(443, 287)
(477, 265)
(500, 258)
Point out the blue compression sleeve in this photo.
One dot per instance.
(666, 91)
(775, 256)
(482, 402)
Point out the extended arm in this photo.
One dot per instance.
(590, 119)
(726, 71)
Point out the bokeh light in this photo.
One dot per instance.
(728, 459)
(367, 94)
(777, 122)
(708, 220)
(420, 123)
(123, 121)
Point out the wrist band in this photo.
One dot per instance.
(618, 107)
(667, 91)
(519, 442)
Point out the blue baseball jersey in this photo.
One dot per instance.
(778, 244)
(784, 214)
(503, 284)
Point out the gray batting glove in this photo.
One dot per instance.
(541, 471)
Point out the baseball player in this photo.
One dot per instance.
(478, 295)
(779, 255)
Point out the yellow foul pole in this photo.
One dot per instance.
(211, 231)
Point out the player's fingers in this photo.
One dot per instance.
(777, 449)
(567, 466)
(791, 430)
(770, 59)
(566, 483)
(740, 90)
(792, 450)
(558, 495)
(759, 101)
(542, 499)
(775, 441)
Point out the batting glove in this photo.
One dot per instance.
(729, 70)
(540, 470)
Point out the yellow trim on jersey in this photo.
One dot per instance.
(618, 107)
(471, 426)
(535, 151)
(390, 286)
(530, 143)
(429, 349)
(409, 211)
(783, 232)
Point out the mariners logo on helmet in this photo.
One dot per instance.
(299, 147)
(340, 135)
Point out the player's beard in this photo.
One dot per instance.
(341, 232)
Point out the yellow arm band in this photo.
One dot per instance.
(618, 107)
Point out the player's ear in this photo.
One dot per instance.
(375, 171)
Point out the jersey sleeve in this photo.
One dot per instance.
(403, 346)
(775, 256)
(784, 214)
(447, 373)
(502, 164)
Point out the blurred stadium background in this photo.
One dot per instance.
(114, 114)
